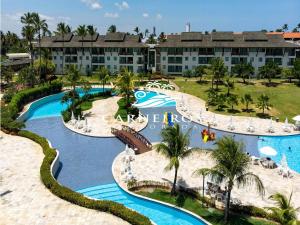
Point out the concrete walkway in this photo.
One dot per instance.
(24, 198)
(194, 105)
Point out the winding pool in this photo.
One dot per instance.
(85, 162)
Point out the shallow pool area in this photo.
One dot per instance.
(283, 145)
(150, 99)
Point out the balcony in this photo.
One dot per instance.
(98, 60)
(126, 60)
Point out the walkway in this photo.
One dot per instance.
(25, 200)
(195, 105)
(133, 139)
(101, 119)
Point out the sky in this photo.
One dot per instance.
(169, 16)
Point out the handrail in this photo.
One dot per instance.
(137, 135)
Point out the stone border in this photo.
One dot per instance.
(153, 200)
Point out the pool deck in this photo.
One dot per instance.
(195, 105)
(150, 166)
(101, 119)
(27, 200)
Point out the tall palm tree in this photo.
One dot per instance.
(28, 33)
(263, 102)
(284, 213)
(146, 33)
(174, 146)
(232, 168)
(202, 172)
(63, 29)
(41, 28)
(103, 75)
(27, 18)
(92, 31)
(112, 29)
(285, 27)
(81, 31)
(125, 84)
(218, 69)
(137, 30)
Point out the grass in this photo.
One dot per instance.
(284, 97)
(88, 104)
(213, 216)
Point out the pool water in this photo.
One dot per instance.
(158, 213)
(150, 99)
(52, 107)
(281, 145)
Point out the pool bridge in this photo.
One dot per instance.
(133, 139)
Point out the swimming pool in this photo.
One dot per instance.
(51, 106)
(283, 145)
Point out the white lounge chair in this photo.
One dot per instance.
(251, 129)
(271, 130)
(231, 127)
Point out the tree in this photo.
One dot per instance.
(220, 100)
(229, 83)
(188, 73)
(174, 146)
(243, 70)
(218, 69)
(269, 71)
(296, 69)
(151, 39)
(232, 168)
(103, 75)
(73, 77)
(63, 29)
(112, 29)
(162, 37)
(41, 28)
(27, 76)
(28, 33)
(199, 71)
(92, 31)
(232, 100)
(137, 30)
(81, 31)
(202, 172)
(146, 33)
(6, 74)
(46, 66)
(246, 100)
(284, 212)
(263, 102)
(285, 27)
(125, 84)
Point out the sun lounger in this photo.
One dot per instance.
(251, 129)
(231, 127)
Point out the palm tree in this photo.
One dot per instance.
(63, 29)
(162, 37)
(103, 75)
(91, 30)
(263, 102)
(284, 213)
(137, 30)
(28, 32)
(243, 70)
(174, 146)
(112, 29)
(41, 28)
(246, 100)
(27, 18)
(232, 100)
(229, 83)
(146, 33)
(285, 27)
(199, 71)
(232, 168)
(218, 69)
(125, 84)
(81, 31)
(269, 71)
(202, 172)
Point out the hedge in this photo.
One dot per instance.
(10, 112)
(67, 194)
(124, 110)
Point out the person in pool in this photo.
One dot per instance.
(290, 149)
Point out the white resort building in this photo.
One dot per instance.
(174, 55)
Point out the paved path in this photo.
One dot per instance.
(27, 200)
(194, 105)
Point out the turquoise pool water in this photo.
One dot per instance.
(51, 106)
(150, 99)
(158, 213)
(281, 145)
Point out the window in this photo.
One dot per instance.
(226, 59)
(235, 60)
(269, 60)
(60, 65)
(278, 61)
(54, 57)
(87, 58)
(175, 60)
(80, 57)
(204, 60)
(186, 58)
(108, 67)
(186, 67)
(194, 59)
(164, 67)
(260, 59)
(115, 58)
(175, 69)
(164, 58)
(61, 58)
(252, 59)
(115, 67)
(108, 58)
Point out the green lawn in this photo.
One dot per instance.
(86, 105)
(285, 98)
(213, 216)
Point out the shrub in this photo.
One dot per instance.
(76, 198)
(10, 112)
(124, 110)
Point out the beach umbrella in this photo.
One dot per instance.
(267, 150)
(297, 118)
(72, 116)
(231, 120)
(78, 118)
(271, 122)
(86, 122)
(286, 122)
